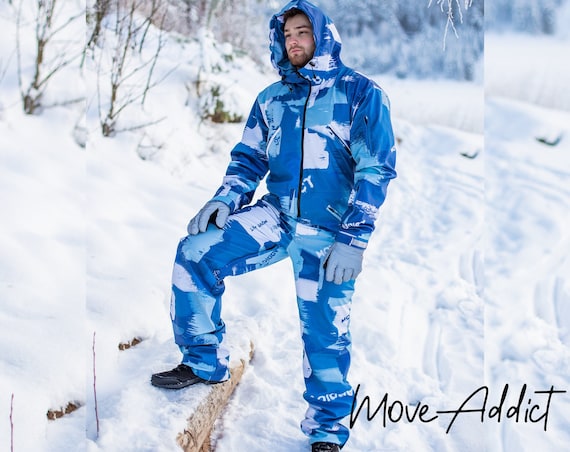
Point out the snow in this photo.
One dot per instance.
(466, 280)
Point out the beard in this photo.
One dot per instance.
(299, 59)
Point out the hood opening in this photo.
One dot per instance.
(326, 59)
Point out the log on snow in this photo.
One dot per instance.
(196, 435)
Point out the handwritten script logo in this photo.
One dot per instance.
(530, 407)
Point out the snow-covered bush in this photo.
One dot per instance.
(213, 85)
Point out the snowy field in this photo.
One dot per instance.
(466, 286)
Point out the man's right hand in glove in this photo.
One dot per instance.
(213, 212)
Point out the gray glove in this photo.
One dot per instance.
(214, 211)
(343, 263)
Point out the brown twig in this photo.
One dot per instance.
(12, 424)
(95, 387)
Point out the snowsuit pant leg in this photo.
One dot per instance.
(324, 311)
(252, 238)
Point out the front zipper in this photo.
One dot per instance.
(302, 154)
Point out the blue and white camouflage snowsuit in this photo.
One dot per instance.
(322, 136)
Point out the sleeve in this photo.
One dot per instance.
(374, 153)
(248, 165)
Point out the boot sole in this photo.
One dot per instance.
(182, 384)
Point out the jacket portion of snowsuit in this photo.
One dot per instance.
(322, 136)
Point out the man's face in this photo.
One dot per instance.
(299, 41)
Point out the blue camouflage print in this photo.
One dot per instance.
(322, 139)
(322, 135)
(255, 237)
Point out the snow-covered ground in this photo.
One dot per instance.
(466, 285)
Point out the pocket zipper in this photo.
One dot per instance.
(333, 212)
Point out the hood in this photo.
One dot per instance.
(326, 60)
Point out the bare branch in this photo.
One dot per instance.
(18, 51)
(59, 66)
(101, 10)
(141, 126)
(65, 103)
(44, 69)
(4, 66)
(95, 387)
(127, 65)
(12, 423)
(447, 7)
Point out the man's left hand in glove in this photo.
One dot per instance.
(343, 263)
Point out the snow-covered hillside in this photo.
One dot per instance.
(466, 284)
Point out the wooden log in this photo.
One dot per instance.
(196, 435)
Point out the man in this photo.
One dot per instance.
(323, 137)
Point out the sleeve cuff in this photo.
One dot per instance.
(230, 198)
(351, 240)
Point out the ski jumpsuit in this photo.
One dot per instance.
(323, 137)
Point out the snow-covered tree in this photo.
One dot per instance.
(527, 16)
(405, 38)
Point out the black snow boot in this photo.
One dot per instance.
(325, 447)
(177, 378)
